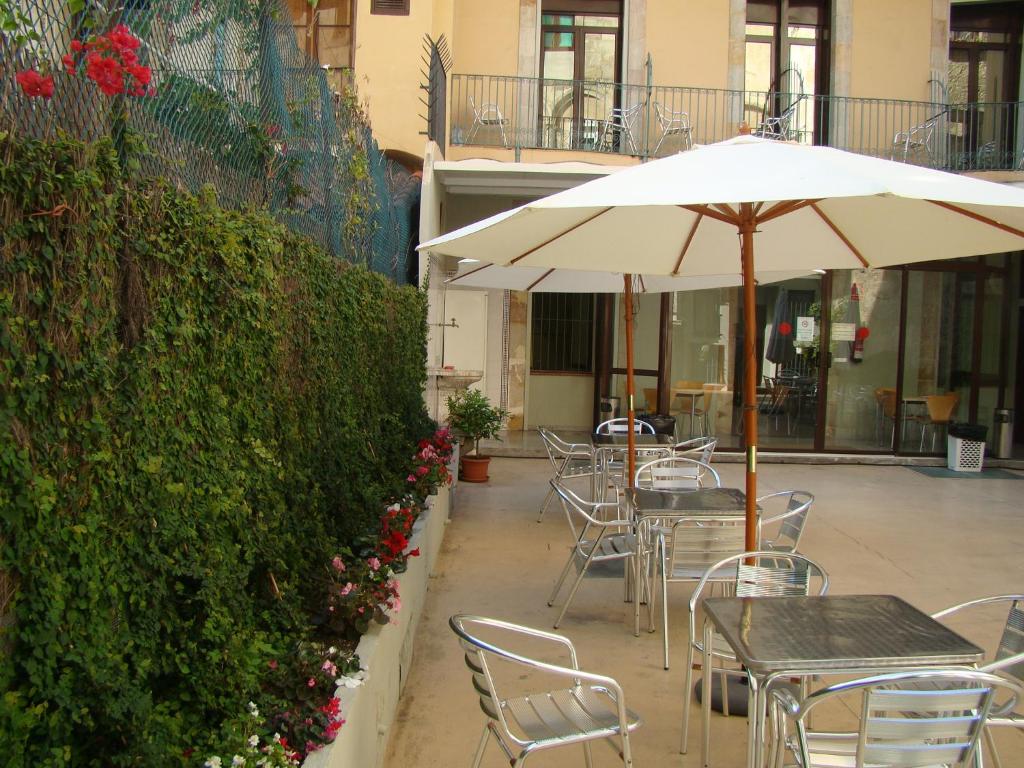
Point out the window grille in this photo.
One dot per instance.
(390, 7)
(562, 333)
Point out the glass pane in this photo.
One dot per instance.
(862, 373)
(599, 57)
(334, 12)
(557, 100)
(992, 350)
(758, 75)
(761, 30)
(334, 46)
(554, 40)
(957, 76)
(801, 33)
(551, 20)
(991, 85)
(937, 357)
(802, 59)
(598, 21)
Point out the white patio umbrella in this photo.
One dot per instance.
(807, 207)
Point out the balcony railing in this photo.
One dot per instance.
(654, 121)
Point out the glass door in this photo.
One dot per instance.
(862, 371)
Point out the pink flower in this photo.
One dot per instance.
(272, 663)
(330, 668)
(347, 588)
(337, 564)
(410, 479)
(311, 682)
(374, 564)
(422, 470)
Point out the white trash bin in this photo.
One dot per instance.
(964, 455)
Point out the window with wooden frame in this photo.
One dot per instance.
(562, 333)
(389, 7)
(324, 31)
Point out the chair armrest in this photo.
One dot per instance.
(789, 703)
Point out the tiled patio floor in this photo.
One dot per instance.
(933, 542)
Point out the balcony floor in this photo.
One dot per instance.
(933, 542)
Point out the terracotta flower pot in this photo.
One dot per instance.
(473, 469)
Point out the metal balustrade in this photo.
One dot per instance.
(653, 121)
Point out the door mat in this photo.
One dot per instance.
(985, 474)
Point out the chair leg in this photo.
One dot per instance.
(991, 744)
(544, 506)
(687, 695)
(481, 746)
(664, 609)
(561, 578)
(579, 580)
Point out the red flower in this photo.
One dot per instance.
(414, 552)
(105, 72)
(785, 328)
(69, 64)
(34, 84)
(122, 39)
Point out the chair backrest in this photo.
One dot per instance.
(700, 448)
(583, 515)
(558, 448)
(941, 407)
(620, 426)
(676, 473)
(766, 573)
(1012, 642)
(916, 719)
(796, 507)
(695, 544)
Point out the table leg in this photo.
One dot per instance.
(637, 590)
(705, 699)
(755, 722)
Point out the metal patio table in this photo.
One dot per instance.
(700, 503)
(780, 637)
(617, 443)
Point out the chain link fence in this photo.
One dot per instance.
(232, 103)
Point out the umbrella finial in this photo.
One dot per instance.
(744, 129)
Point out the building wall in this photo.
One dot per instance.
(689, 42)
(891, 49)
(560, 401)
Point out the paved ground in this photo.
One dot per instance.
(933, 542)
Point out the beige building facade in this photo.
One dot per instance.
(540, 95)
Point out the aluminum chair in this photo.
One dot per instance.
(917, 139)
(619, 127)
(672, 124)
(700, 448)
(780, 127)
(1009, 656)
(684, 549)
(589, 708)
(568, 460)
(597, 541)
(676, 473)
(795, 508)
(620, 426)
(925, 718)
(487, 116)
(760, 573)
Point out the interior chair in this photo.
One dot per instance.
(651, 399)
(487, 116)
(1008, 659)
(700, 448)
(689, 405)
(524, 714)
(617, 133)
(602, 537)
(783, 517)
(920, 719)
(685, 547)
(672, 124)
(941, 409)
(884, 412)
(775, 402)
(676, 473)
(917, 140)
(708, 408)
(568, 461)
(752, 574)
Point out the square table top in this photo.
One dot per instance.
(619, 440)
(835, 633)
(728, 502)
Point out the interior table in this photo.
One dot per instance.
(700, 503)
(781, 637)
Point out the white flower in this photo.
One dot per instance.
(352, 681)
(277, 737)
(237, 760)
(254, 741)
(332, 650)
(213, 762)
(252, 709)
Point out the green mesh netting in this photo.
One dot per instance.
(234, 104)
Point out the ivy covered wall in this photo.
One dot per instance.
(198, 408)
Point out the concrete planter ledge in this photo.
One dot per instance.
(385, 653)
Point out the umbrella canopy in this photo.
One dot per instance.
(808, 207)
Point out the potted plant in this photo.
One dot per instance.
(473, 418)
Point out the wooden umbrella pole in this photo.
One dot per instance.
(630, 432)
(748, 223)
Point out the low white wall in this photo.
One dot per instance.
(385, 652)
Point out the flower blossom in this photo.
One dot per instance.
(337, 564)
(35, 84)
(374, 564)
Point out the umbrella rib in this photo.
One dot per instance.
(727, 210)
(534, 284)
(710, 212)
(838, 234)
(978, 217)
(686, 245)
(467, 274)
(560, 234)
(781, 209)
